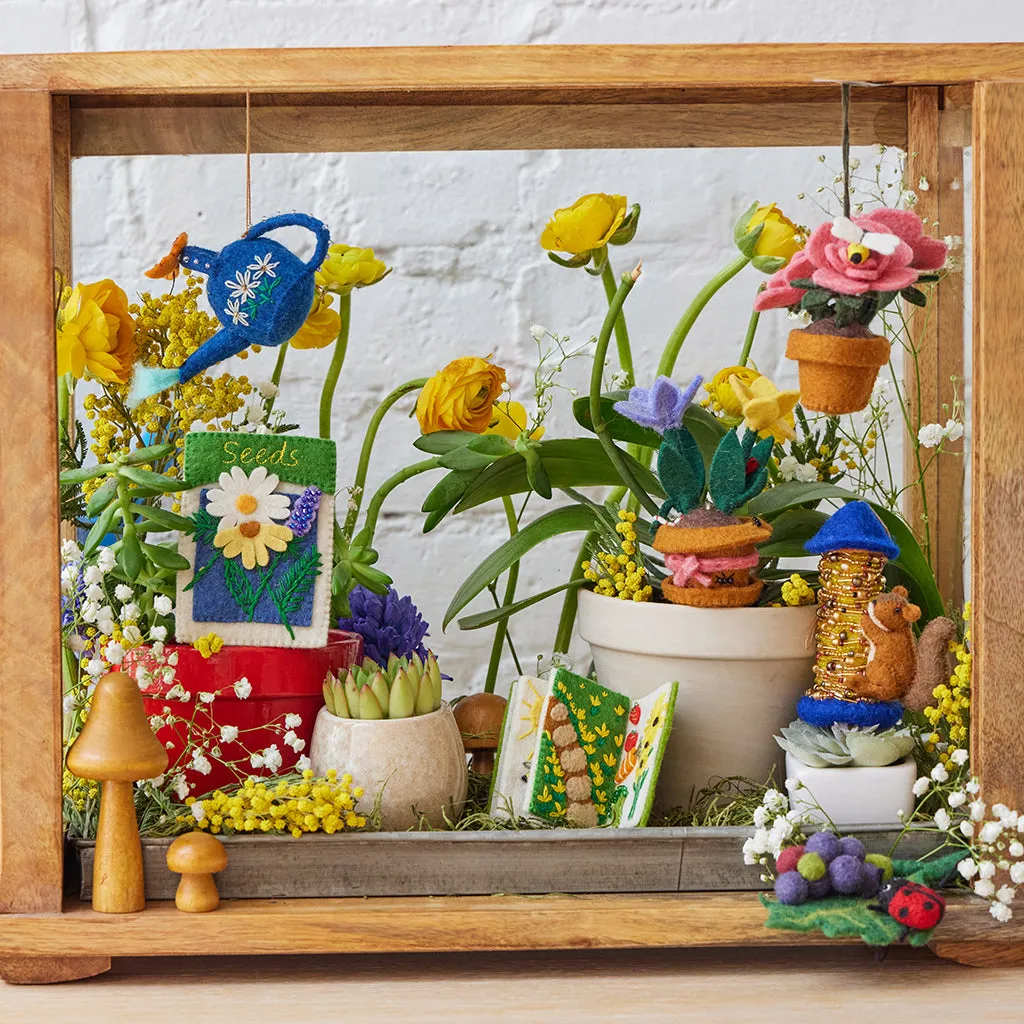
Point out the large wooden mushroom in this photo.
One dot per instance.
(117, 747)
(479, 718)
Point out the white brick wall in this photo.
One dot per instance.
(461, 229)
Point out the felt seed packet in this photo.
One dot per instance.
(262, 546)
(576, 752)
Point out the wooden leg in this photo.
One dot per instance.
(45, 970)
(981, 954)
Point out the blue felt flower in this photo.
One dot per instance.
(662, 406)
(388, 624)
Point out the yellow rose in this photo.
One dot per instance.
(586, 225)
(96, 333)
(460, 397)
(780, 237)
(509, 419)
(722, 392)
(347, 267)
(321, 327)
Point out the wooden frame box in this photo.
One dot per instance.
(933, 100)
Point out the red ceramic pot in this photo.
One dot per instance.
(284, 681)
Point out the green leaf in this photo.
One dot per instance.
(727, 476)
(933, 872)
(491, 444)
(443, 441)
(100, 529)
(493, 615)
(164, 518)
(567, 519)
(914, 296)
(102, 497)
(297, 581)
(836, 917)
(447, 491)
(568, 462)
(145, 478)
(465, 459)
(793, 494)
(83, 473)
(371, 578)
(129, 555)
(166, 558)
(151, 453)
(681, 470)
(790, 531)
(619, 427)
(707, 431)
(573, 262)
(240, 587)
(536, 474)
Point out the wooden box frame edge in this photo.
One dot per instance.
(55, 106)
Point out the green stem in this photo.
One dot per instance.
(570, 603)
(275, 377)
(748, 341)
(621, 331)
(373, 509)
(337, 361)
(501, 630)
(356, 494)
(64, 404)
(689, 318)
(597, 420)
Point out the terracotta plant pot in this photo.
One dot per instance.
(837, 372)
(284, 681)
(415, 766)
(711, 585)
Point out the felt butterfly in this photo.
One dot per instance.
(863, 243)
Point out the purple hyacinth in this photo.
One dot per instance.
(662, 406)
(304, 510)
(388, 624)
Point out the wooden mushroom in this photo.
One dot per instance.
(117, 747)
(197, 857)
(479, 717)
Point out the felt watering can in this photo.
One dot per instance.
(259, 290)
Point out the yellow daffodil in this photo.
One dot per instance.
(96, 333)
(251, 540)
(721, 390)
(348, 267)
(322, 325)
(588, 224)
(780, 236)
(461, 396)
(766, 409)
(509, 419)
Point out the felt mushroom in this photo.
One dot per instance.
(117, 747)
(479, 718)
(197, 857)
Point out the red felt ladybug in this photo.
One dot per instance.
(910, 904)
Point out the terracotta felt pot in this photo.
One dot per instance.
(837, 372)
(284, 680)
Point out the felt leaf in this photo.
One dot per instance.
(681, 470)
(914, 296)
(164, 518)
(835, 917)
(240, 587)
(814, 297)
(933, 872)
(99, 529)
(493, 615)
(727, 476)
(296, 583)
(204, 526)
(102, 497)
(145, 478)
(165, 558)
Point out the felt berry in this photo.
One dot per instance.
(820, 889)
(824, 844)
(844, 874)
(852, 846)
(787, 860)
(811, 866)
(790, 888)
(870, 880)
(881, 861)
(634, 714)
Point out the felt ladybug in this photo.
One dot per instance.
(912, 905)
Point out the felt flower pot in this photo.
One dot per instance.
(283, 681)
(837, 372)
(852, 796)
(740, 673)
(712, 565)
(415, 766)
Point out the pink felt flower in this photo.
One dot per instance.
(778, 292)
(929, 253)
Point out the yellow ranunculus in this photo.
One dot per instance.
(460, 397)
(348, 267)
(586, 225)
(509, 419)
(721, 390)
(96, 333)
(766, 409)
(321, 327)
(780, 237)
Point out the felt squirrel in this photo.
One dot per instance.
(897, 668)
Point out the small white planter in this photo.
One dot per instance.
(740, 673)
(852, 796)
(419, 763)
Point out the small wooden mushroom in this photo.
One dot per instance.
(197, 857)
(479, 717)
(117, 747)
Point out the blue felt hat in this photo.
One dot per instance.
(855, 527)
(828, 711)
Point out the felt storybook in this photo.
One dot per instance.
(576, 752)
(261, 550)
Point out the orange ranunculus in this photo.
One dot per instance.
(461, 396)
(96, 333)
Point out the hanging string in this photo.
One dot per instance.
(248, 162)
(846, 147)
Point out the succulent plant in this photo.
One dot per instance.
(844, 746)
(402, 688)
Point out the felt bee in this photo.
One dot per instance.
(862, 243)
(910, 904)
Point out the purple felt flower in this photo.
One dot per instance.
(388, 624)
(662, 406)
(304, 510)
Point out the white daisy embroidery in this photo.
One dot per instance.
(237, 314)
(243, 287)
(246, 498)
(263, 266)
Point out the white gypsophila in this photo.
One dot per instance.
(303, 764)
(977, 809)
(953, 430)
(180, 787)
(298, 746)
(201, 763)
(68, 704)
(968, 868)
(539, 331)
(760, 816)
(267, 389)
(242, 688)
(985, 888)
(256, 760)
(942, 819)
(920, 787)
(89, 611)
(75, 643)
(123, 592)
(806, 474)
(155, 722)
(750, 857)
(272, 757)
(967, 829)
(93, 574)
(105, 560)
(158, 633)
(959, 756)
(999, 810)
(787, 467)
(930, 435)
(94, 593)
(206, 696)
(130, 612)
(292, 721)
(1005, 893)
(157, 647)
(114, 653)
(801, 316)
(939, 773)
(922, 183)
(162, 604)
(776, 802)
(105, 626)
(986, 869)
(95, 667)
(1016, 849)
(957, 799)
(1017, 873)
(228, 733)
(132, 634)
(198, 812)
(1001, 912)
(176, 692)
(990, 832)
(172, 658)
(973, 786)
(290, 737)
(70, 551)
(1003, 865)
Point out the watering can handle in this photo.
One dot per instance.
(297, 220)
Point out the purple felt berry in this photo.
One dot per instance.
(852, 847)
(811, 866)
(824, 844)
(820, 889)
(787, 860)
(844, 874)
(791, 888)
(870, 880)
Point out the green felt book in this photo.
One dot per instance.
(576, 752)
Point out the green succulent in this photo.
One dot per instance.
(403, 688)
(843, 746)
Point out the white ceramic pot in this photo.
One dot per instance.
(740, 673)
(852, 796)
(417, 765)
